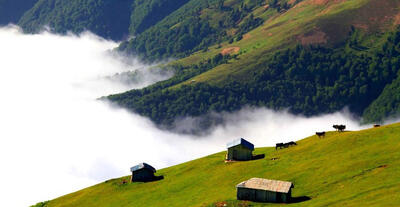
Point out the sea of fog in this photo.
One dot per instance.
(56, 138)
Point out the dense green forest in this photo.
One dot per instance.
(147, 13)
(109, 19)
(306, 80)
(387, 105)
(12, 10)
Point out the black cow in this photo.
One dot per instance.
(284, 145)
(336, 127)
(339, 128)
(280, 145)
(320, 134)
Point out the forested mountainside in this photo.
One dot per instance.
(147, 13)
(312, 57)
(12, 10)
(306, 80)
(387, 105)
(107, 18)
(308, 56)
(195, 26)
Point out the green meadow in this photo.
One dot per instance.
(354, 168)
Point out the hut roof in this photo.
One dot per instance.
(268, 185)
(142, 166)
(240, 141)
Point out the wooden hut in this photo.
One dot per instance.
(143, 172)
(264, 190)
(240, 150)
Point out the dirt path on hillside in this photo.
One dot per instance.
(230, 50)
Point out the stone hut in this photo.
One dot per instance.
(143, 172)
(240, 150)
(264, 190)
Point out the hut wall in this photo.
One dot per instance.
(286, 197)
(262, 195)
(270, 197)
(142, 175)
(246, 194)
(239, 153)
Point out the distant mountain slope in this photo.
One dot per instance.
(107, 18)
(195, 26)
(12, 10)
(343, 169)
(224, 50)
(315, 57)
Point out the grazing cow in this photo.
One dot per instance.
(280, 145)
(284, 145)
(339, 128)
(376, 125)
(320, 134)
(336, 127)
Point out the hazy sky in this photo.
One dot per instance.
(55, 137)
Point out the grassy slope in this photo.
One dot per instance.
(344, 169)
(333, 18)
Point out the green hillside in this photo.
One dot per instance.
(311, 57)
(343, 169)
(194, 26)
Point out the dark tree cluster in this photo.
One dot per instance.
(109, 19)
(12, 10)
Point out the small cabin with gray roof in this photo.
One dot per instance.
(143, 172)
(240, 150)
(264, 190)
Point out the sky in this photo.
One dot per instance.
(56, 137)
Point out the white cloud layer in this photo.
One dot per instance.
(55, 138)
